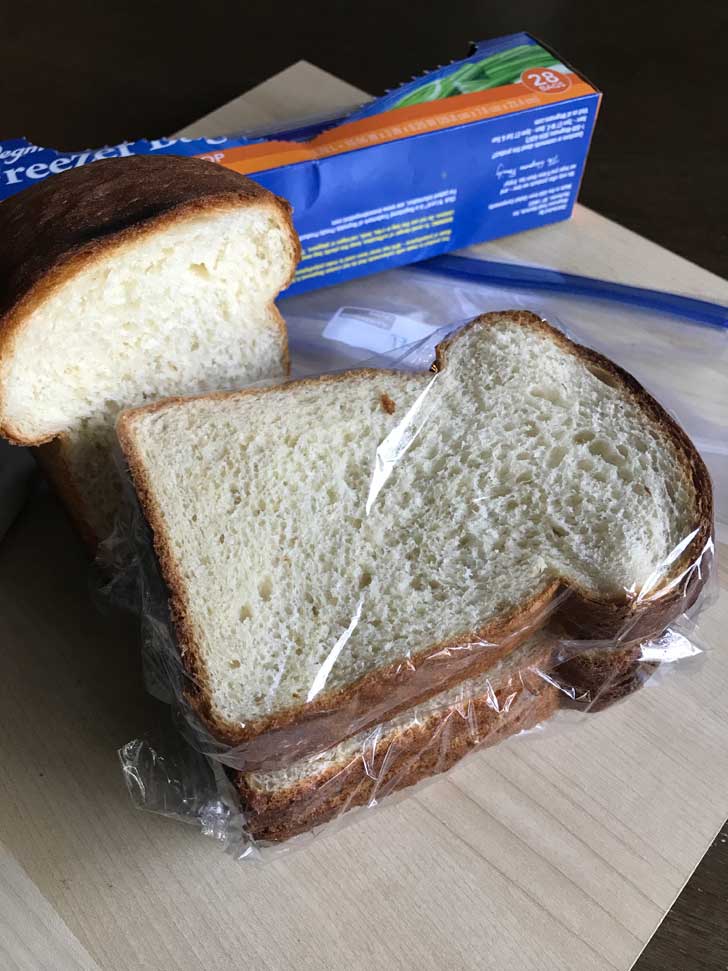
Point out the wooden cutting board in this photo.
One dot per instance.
(559, 851)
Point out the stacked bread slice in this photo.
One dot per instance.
(516, 694)
(384, 555)
(122, 282)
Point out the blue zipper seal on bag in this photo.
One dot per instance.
(554, 281)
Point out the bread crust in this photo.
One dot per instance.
(54, 229)
(283, 737)
(598, 679)
(398, 760)
(506, 687)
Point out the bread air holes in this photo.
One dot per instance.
(557, 529)
(641, 489)
(556, 456)
(603, 449)
(553, 395)
(352, 475)
(200, 270)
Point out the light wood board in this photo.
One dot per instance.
(559, 851)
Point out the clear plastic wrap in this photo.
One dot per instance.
(358, 706)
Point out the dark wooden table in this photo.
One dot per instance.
(82, 74)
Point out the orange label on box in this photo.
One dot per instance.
(538, 86)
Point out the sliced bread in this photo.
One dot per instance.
(338, 549)
(517, 694)
(125, 281)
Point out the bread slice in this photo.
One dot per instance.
(597, 679)
(517, 694)
(338, 549)
(125, 281)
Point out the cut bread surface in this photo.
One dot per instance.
(174, 297)
(323, 539)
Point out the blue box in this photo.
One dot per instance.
(484, 147)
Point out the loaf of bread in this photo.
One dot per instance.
(339, 549)
(125, 281)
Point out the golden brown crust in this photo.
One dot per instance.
(524, 681)
(598, 679)
(285, 736)
(53, 229)
(397, 761)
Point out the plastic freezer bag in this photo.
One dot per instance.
(676, 346)
(273, 775)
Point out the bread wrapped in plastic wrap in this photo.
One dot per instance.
(351, 580)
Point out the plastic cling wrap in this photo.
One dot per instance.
(454, 525)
